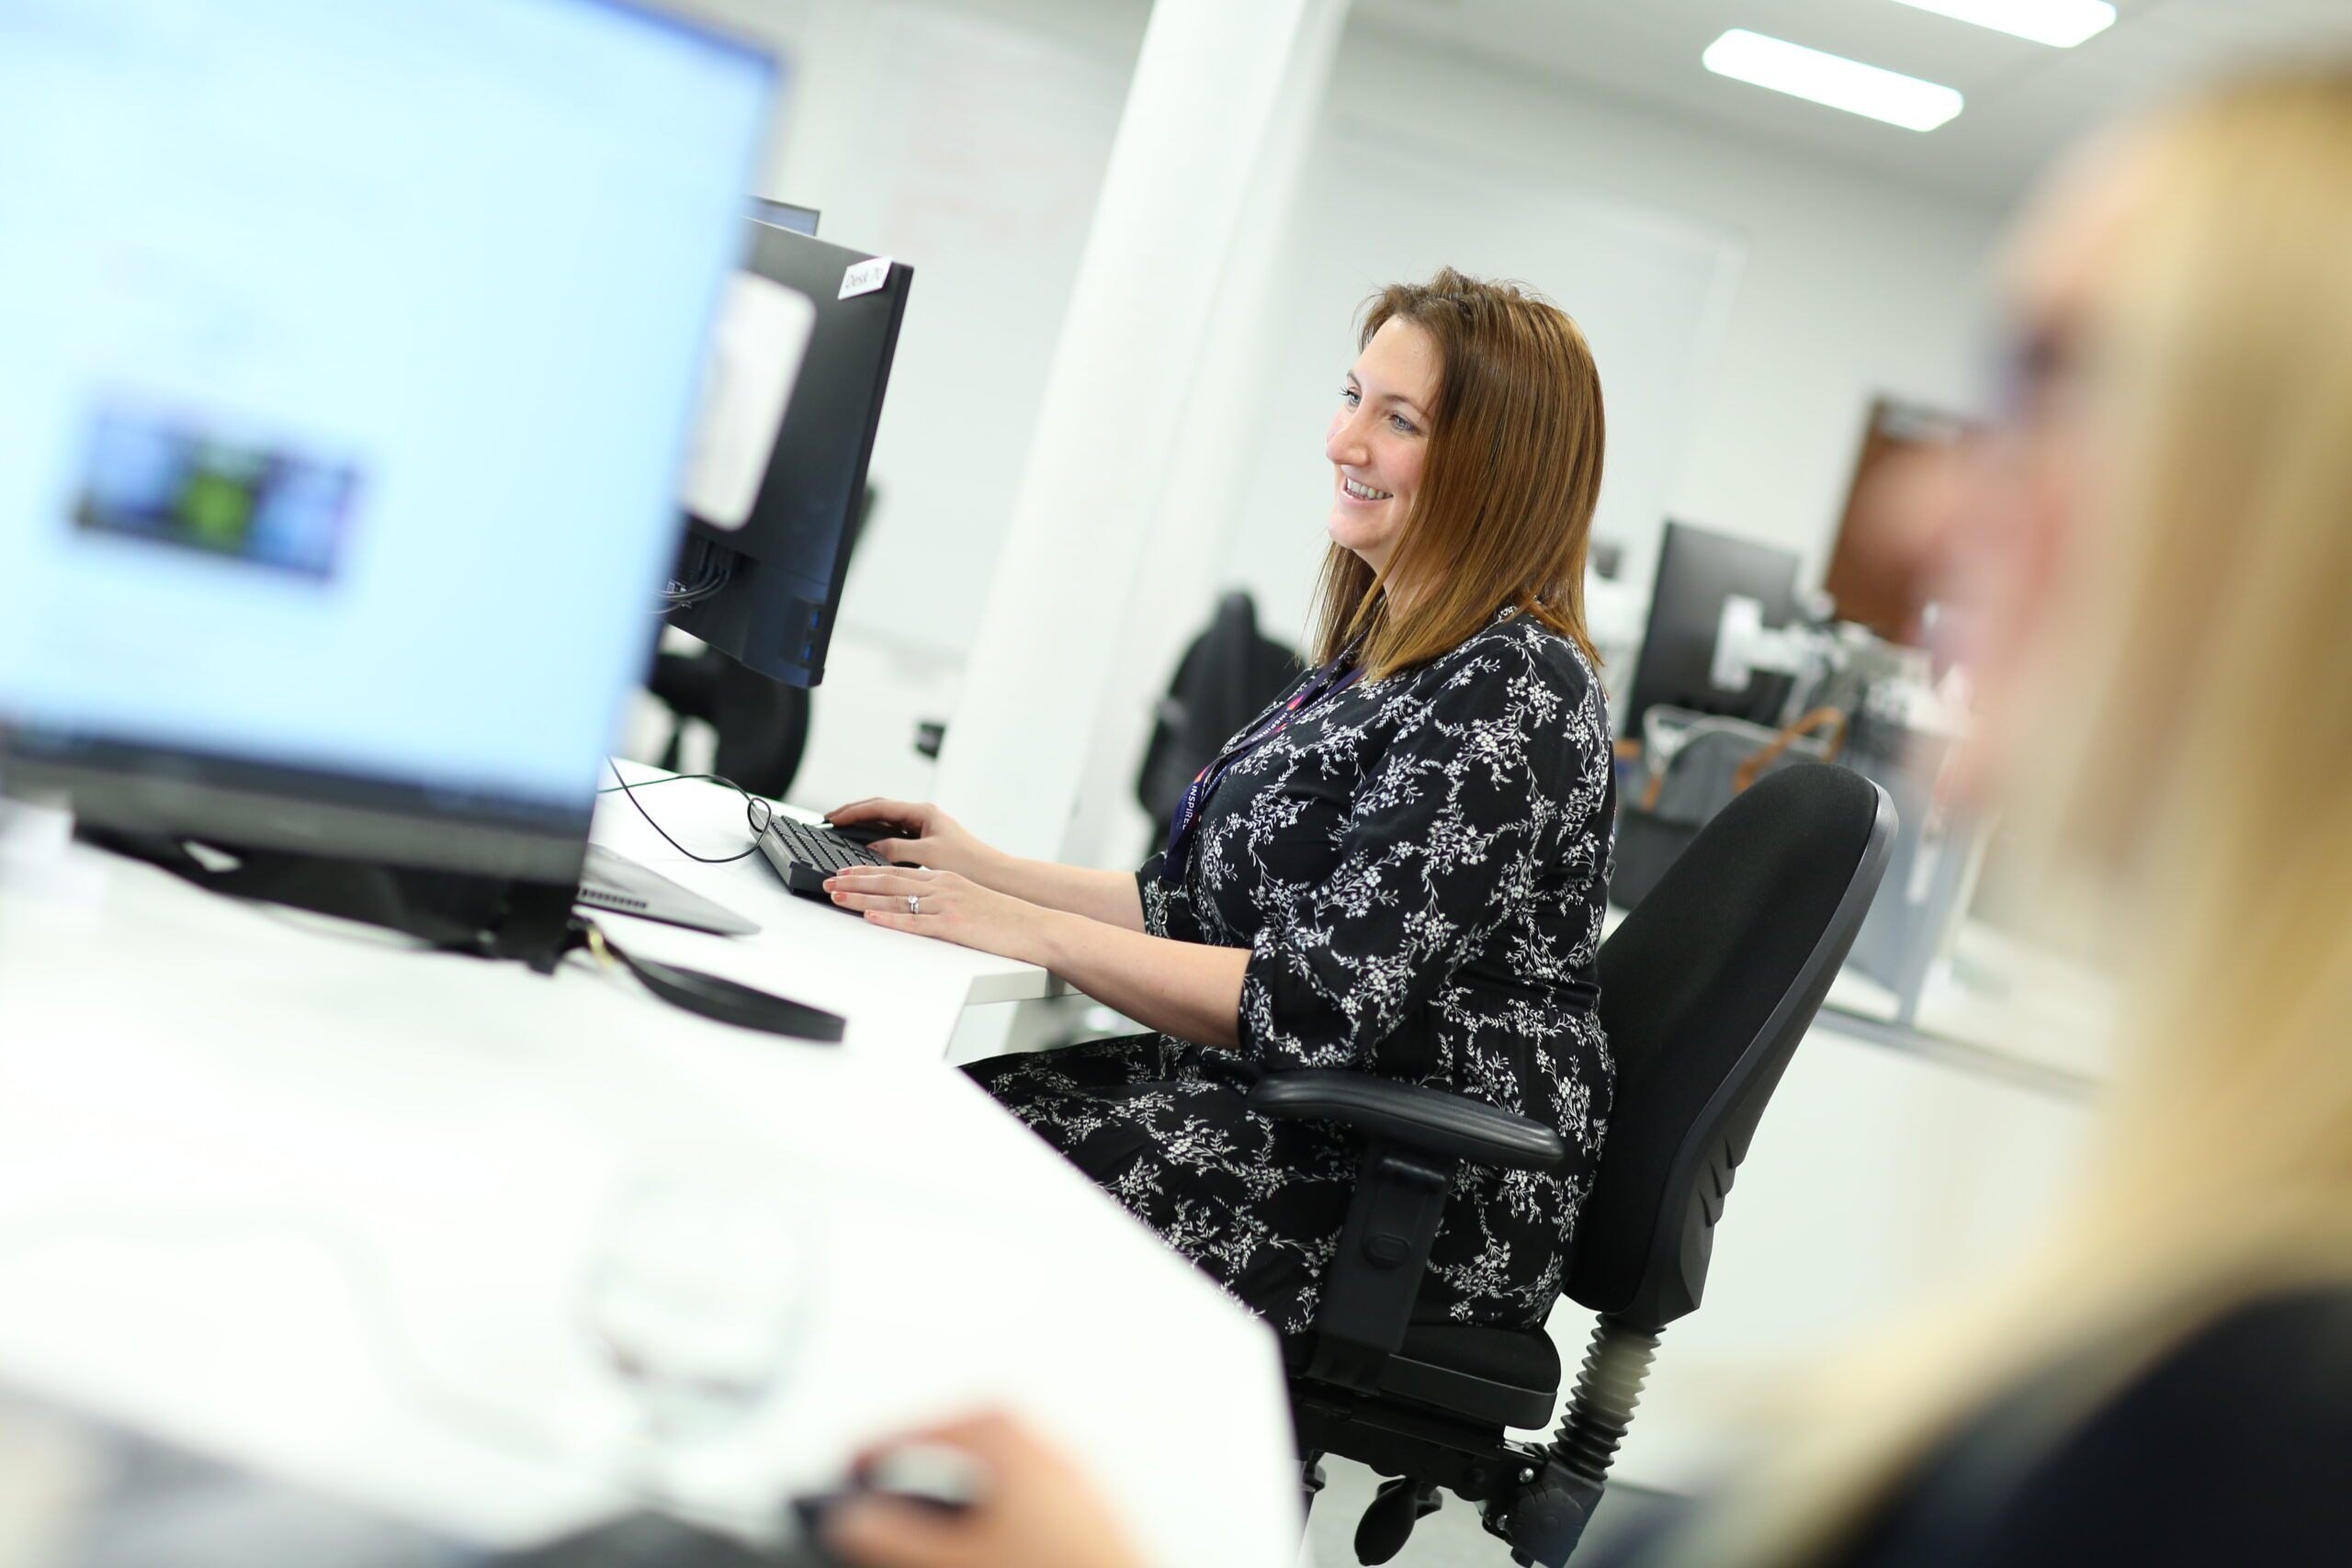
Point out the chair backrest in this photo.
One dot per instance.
(762, 724)
(1705, 991)
(1227, 675)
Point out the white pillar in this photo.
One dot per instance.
(1191, 549)
(1225, 93)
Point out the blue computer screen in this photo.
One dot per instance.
(348, 349)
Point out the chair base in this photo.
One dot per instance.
(1473, 1462)
(1526, 1498)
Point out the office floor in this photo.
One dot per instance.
(1453, 1537)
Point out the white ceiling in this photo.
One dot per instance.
(2025, 101)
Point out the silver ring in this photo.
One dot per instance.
(914, 903)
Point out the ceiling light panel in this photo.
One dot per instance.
(2061, 24)
(1831, 79)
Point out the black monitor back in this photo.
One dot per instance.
(787, 562)
(1697, 570)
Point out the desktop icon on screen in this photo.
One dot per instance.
(167, 479)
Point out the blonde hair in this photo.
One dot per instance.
(1504, 512)
(2202, 708)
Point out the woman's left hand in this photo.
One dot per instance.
(946, 905)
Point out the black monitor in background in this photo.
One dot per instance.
(776, 583)
(783, 215)
(1698, 570)
(328, 519)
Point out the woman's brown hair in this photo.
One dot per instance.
(1504, 512)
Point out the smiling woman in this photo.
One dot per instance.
(1473, 414)
(1398, 868)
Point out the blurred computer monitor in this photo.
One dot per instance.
(765, 592)
(338, 463)
(1698, 571)
(783, 215)
(1908, 469)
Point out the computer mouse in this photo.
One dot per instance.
(870, 833)
(930, 1475)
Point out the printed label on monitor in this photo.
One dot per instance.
(866, 277)
(178, 481)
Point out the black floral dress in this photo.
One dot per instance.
(1418, 866)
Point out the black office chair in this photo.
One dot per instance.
(1227, 677)
(1705, 991)
(762, 724)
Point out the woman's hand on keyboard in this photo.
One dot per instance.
(941, 904)
(927, 836)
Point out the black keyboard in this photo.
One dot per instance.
(805, 855)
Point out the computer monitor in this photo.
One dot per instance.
(1876, 576)
(1698, 571)
(766, 593)
(783, 215)
(351, 350)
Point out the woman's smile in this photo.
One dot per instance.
(1379, 439)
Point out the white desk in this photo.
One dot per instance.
(314, 1203)
(901, 994)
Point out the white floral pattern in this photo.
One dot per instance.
(1418, 867)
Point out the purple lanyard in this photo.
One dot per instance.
(1330, 681)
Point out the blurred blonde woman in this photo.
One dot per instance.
(2164, 542)
(2161, 545)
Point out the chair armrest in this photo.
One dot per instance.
(1415, 1139)
(1420, 1118)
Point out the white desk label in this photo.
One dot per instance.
(865, 277)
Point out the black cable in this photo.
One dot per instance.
(751, 802)
(712, 572)
(679, 778)
(684, 595)
(716, 996)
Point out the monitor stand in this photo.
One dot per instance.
(489, 917)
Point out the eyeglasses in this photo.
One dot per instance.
(2037, 368)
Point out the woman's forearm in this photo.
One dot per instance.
(1108, 896)
(1189, 989)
